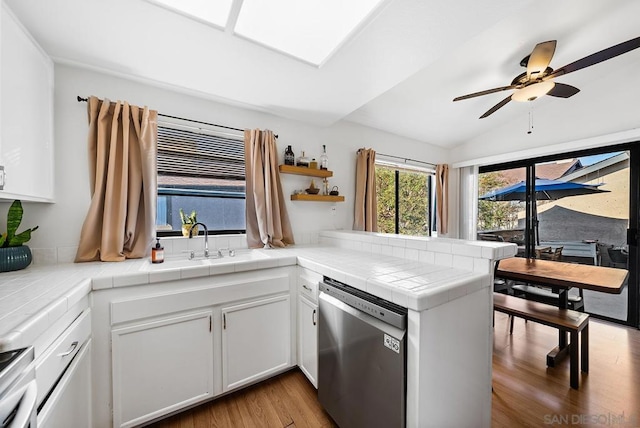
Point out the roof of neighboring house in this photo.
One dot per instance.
(550, 170)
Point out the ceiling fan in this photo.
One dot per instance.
(538, 79)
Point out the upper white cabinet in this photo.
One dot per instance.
(26, 114)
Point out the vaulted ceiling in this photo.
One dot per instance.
(399, 71)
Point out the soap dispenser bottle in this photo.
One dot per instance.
(157, 253)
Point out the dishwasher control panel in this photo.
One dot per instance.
(368, 303)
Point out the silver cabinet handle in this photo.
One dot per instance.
(313, 317)
(306, 287)
(71, 349)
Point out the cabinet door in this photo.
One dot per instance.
(308, 339)
(161, 366)
(256, 340)
(69, 404)
(26, 114)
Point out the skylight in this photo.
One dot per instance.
(309, 30)
(214, 12)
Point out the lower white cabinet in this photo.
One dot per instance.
(70, 403)
(308, 339)
(256, 340)
(160, 348)
(160, 366)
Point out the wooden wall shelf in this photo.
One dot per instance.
(300, 170)
(317, 198)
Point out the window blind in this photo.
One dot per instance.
(195, 154)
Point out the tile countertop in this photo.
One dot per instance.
(32, 299)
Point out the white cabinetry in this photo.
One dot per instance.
(256, 340)
(308, 323)
(308, 339)
(162, 347)
(70, 403)
(26, 114)
(63, 369)
(160, 366)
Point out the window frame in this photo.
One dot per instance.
(200, 128)
(408, 166)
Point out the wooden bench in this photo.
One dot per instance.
(563, 319)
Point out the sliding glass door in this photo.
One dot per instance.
(580, 206)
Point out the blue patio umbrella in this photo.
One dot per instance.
(545, 190)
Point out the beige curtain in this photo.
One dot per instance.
(366, 205)
(120, 223)
(267, 220)
(442, 198)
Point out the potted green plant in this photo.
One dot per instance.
(14, 255)
(187, 223)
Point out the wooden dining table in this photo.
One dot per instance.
(560, 277)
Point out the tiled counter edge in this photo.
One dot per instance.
(471, 265)
(27, 330)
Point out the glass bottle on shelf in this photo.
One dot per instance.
(303, 161)
(324, 160)
(289, 157)
(325, 186)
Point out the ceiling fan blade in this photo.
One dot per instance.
(595, 58)
(540, 58)
(561, 90)
(496, 107)
(488, 91)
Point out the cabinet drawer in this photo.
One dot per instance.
(308, 284)
(53, 362)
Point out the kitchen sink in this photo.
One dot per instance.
(181, 262)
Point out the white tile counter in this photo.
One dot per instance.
(418, 273)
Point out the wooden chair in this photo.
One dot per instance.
(546, 295)
(555, 255)
(618, 258)
(490, 237)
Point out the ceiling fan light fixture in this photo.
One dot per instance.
(533, 91)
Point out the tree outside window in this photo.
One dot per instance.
(495, 215)
(403, 201)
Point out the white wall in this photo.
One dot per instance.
(60, 223)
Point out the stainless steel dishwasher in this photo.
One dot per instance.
(361, 357)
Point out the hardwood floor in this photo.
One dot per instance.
(288, 400)
(529, 394)
(525, 392)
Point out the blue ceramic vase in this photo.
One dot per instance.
(14, 258)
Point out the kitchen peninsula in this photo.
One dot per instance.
(444, 283)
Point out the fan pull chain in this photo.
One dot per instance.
(530, 122)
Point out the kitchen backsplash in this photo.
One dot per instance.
(173, 246)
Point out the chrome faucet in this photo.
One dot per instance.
(206, 237)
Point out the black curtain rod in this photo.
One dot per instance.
(407, 159)
(80, 99)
